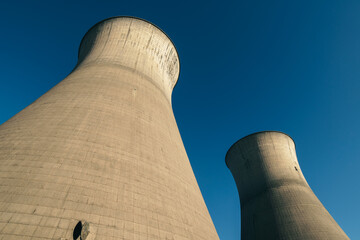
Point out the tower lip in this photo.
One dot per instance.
(250, 135)
(137, 18)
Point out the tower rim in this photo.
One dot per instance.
(250, 135)
(137, 18)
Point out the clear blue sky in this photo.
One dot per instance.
(246, 66)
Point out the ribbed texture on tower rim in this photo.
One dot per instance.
(276, 201)
(135, 45)
(100, 155)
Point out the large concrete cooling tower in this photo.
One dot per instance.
(100, 155)
(276, 201)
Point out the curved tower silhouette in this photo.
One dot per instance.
(100, 156)
(276, 201)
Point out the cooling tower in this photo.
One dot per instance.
(276, 201)
(99, 156)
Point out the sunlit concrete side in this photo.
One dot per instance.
(276, 201)
(101, 150)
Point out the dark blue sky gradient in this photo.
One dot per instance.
(246, 66)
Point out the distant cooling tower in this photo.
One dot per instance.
(276, 201)
(100, 156)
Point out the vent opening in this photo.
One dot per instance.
(77, 231)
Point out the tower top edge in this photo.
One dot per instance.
(252, 135)
(140, 20)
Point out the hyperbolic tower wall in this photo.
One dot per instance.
(103, 147)
(276, 201)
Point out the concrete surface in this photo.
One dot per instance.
(276, 201)
(103, 148)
